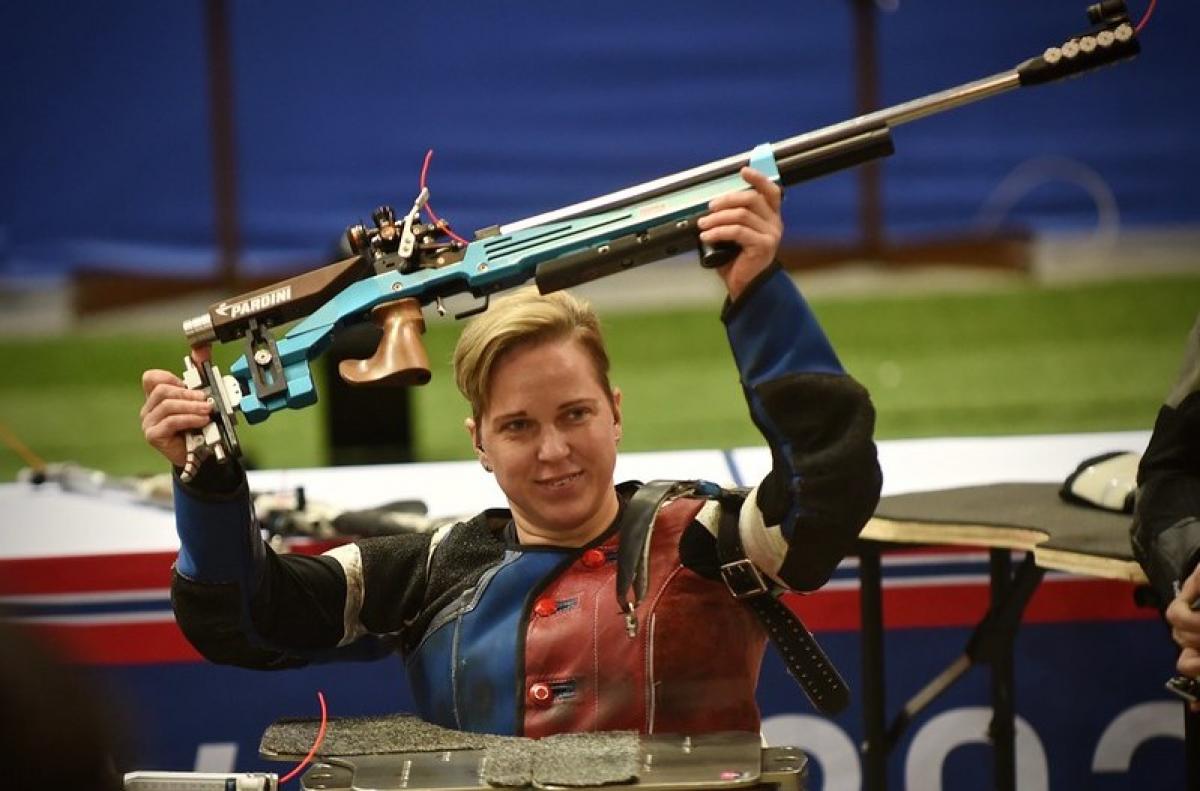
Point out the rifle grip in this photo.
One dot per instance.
(400, 359)
(714, 256)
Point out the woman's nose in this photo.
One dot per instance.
(553, 445)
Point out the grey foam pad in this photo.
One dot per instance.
(508, 763)
(393, 733)
(586, 759)
(1069, 527)
(570, 759)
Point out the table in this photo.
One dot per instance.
(92, 571)
(1002, 518)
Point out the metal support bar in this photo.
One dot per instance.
(1003, 726)
(1191, 746)
(874, 695)
(991, 638)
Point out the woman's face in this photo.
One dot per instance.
(550, 436)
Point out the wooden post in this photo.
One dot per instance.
(866, 94)
(220, 100)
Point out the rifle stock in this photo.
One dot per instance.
(400, 358)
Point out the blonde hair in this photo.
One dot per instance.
(523, 318)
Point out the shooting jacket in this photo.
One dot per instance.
(1166, 520)
(503, 638)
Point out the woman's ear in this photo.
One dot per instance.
(616, 405)
(473, 431)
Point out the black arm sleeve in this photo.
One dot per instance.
(1166, 520)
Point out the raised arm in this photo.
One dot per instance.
(235, 599)
(802, 519)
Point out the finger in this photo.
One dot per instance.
(764, 186)
(743, 198)
(1186, 639)
(176, 406)
(187, 405)
(736, 216)
(744, 237)
(156, 396)
(169, 428)
(165, 392)
(155, 377)
(1186, 634)
(1189, 663)
(1191, 587)
(1189, 628)
(201, 354)
(748, 211)
(1180, 614)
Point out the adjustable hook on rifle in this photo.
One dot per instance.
(480, 308)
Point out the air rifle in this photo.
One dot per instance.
(402, 263)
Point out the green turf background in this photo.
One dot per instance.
(1014, 360)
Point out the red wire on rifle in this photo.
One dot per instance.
(1145, 16)
(445, 226)
(320, 738)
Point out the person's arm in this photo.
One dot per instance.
(1166, 521)
(235, 599)
(1166, 524)
(824, 484)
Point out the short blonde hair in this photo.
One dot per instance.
(524, 318)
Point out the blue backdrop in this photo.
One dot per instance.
(106, 148)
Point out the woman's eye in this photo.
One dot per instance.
(514, 426)
(578, 414)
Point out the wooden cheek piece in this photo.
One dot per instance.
(400, 359)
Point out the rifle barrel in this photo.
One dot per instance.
(896, 115)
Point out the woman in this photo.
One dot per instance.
(507, 621)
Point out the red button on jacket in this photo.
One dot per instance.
(540, 694)
(593, 558)
(545, 607)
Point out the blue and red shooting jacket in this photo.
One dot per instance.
(529, 640)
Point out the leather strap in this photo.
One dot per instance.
(805, 660)
(637, 524)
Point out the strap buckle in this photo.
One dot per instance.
(743, 579)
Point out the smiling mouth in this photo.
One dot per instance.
(560, 482)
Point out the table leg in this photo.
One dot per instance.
(1003, 728)
(1191, 746)
(874, 697)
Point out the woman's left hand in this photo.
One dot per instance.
(749, 218)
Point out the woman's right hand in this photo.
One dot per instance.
(171, 409)
(1185, 624)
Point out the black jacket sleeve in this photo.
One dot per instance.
(238, 602)
(825, 479)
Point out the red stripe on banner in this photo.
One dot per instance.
(85, 573)
(1058, 599)
(97, 573)
(1083, 599)
(117, 644)
(1055, 601)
